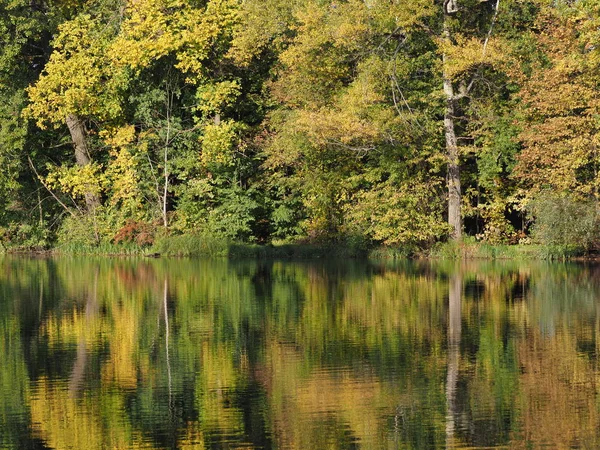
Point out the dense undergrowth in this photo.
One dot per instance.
(206, 246)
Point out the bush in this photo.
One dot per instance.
(565, 222)
(86, 234)
(141, 233)
(24, 237)
(78, 231)
(191, 245)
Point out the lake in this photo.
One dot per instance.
(217, 354)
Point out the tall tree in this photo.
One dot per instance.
(560, 105)
(453, 177)
(466, 46)
(79, 83)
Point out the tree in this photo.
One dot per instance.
(560, 105)
(466, 46)
(79, 83)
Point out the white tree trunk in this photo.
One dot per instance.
(454, 189)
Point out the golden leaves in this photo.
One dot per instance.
(118, 137)
(468, 53)
(147, 34)
(89, 66)
(156, 28)
(218, 143)
(79, 78)
(76, 181)
(561, 104)
(213, 97)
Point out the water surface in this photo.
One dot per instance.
(135, 353)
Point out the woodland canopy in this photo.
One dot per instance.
(389, 122)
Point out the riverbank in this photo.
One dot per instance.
(472, 249)
(202, 246)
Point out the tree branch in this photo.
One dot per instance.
(48, 189)
(489, 34)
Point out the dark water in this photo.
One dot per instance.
(114, 353)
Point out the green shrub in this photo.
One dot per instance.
(24, 237)
(78, 231)
(565, 224)
(191, 245)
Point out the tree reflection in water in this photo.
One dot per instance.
(101, 353)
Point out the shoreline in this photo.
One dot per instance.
(194, 246)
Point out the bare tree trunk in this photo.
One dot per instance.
(82, 155)
(165, 192)
(166, 175)
(454, 190)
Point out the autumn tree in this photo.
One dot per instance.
(560, 107)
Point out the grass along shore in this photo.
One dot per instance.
(206, 246)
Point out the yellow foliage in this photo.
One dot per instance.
(561, 103)
(201, 29)
(261, 24)
(218, 143)
(358, 116)
(350, 24)
(156, 28)
(467, 53)
(213, 97)
(79, 78)
(122, 180)
(77, 181)
(118, 137)
(148, 33)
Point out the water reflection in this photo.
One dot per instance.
(101, 353)
(455, 290)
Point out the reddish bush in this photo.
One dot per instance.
(141, 233)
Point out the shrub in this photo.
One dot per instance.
(563, 221)
(140, 233)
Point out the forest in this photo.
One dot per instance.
(394, 123)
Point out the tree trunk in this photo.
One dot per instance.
(82, 155)
(454, 194)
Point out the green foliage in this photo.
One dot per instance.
(565, 221)
(234, 217)
(302, 120)
(470, 248)
(78, 231)
(191, 245)
(24, 237)
(207, 245)
(397, 214)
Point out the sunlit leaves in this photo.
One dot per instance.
(213, 97)
(218, 143)
(561, 104)
(398, 214)
(76, 181)
(79, 78)
(156, 28)
(465, 54)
